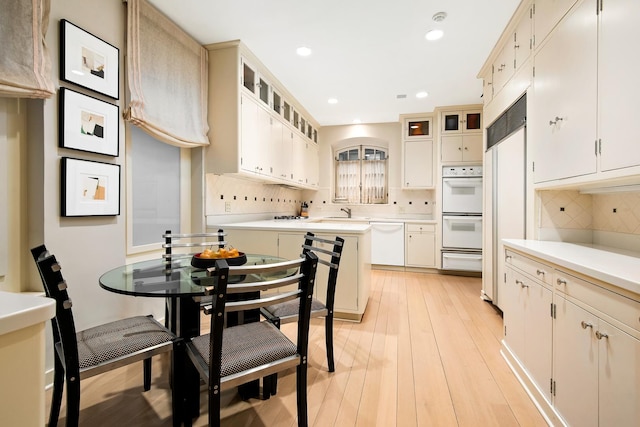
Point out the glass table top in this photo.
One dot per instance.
(153, 278)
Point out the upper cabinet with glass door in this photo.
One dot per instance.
(419, 128)
(257, 118)
(464, 121)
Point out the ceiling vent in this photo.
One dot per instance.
(439, 17)
(401, 96)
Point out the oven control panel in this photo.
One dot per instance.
(452, 171)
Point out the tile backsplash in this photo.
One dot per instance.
(233, 197)
(617, 212)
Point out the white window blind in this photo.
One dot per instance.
(25, 65)
(167, 74)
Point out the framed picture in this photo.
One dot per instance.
(88, 61)
(89, 188)
(87, 123)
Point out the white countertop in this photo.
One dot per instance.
(299, 225)
(619, 268)
(19, 311)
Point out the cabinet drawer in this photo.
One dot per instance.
(533, 268)
(619, 307)
(420, 228)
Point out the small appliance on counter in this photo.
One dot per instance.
(304, 210)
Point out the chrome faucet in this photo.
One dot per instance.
(347, 210)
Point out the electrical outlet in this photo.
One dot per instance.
(227, 206)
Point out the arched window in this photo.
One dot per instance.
(361, 175)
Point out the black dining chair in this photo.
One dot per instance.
(287, 312)
(234, 355)
(83, 354)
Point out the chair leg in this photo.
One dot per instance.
(301, 394)
(178, 384)
(147, 373)
(214, 404)
(73, 399)
(328, 333)
(269, 386)
(58, 386)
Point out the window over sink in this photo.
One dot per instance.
(361, 175)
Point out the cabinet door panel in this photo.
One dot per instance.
(451, 148)
(538, 335)
(619, 360)
(420, 249)
(514, 317)
(249, 140)
(565, 91)
(548, 13)
(522, 41)
(418, 164)
(472, 148)
(618, 89)
(575, 365)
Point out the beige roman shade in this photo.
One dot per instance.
(167, 78)
(25, 65)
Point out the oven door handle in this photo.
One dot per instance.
(463, 182)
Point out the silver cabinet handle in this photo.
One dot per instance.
(561, 282)
(541, 272)
(521, 283)
(553, 122)
(601, 335)
(586, 325)
(507, 258)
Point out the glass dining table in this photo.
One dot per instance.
(178, 281)
(183, 286)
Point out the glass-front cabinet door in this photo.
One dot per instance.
(462, 121)
(286, 111)
(249, 77)
(418, 128)
(264, 91)
(277, 102)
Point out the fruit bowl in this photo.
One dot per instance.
(200, 262)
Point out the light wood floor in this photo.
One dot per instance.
(425, 354)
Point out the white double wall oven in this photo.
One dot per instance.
(462, 218)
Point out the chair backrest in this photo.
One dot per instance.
(189, 241)
(331, 258)
(258, 278)
(56, 288)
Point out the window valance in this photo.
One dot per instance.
(167, 74)
(25, 65)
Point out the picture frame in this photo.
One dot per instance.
(88, 61)
(89, 188)
(87, 123)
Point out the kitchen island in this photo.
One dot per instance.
(284, 238)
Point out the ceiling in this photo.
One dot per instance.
(365, 53)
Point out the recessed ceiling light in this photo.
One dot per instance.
(422, 94)
(303, 51)
(434, 35)
(332, 101)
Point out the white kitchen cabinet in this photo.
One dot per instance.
(547, 15)
(417, 152)
(461, 121)
(461, 148)
(418, 161)
(618, 91)
(251, 119)
(596, 364)
(420, 245)
(593, 336)
(504, 66)
(527, 318)
(523, 39)
(564, 103)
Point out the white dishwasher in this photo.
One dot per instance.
(387, 243)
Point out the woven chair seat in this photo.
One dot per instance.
(247, 346)
(120, 338)
(290, 308)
